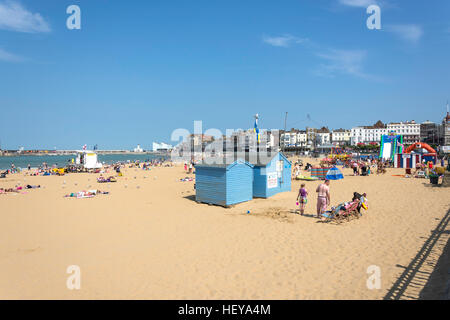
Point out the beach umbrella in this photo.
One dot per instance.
(334, 174)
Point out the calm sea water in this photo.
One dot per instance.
(36, 161)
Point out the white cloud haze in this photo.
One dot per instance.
(282, 41)
(348, 62)
(358, 3)
(13, 16)
(9, 57)
(408, 32)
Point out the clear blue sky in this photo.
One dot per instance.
(137, 70)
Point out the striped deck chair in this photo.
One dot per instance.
(339, 213)
(352, 210)
(333, 215)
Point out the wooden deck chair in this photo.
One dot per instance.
(334, 214)
(350, 212)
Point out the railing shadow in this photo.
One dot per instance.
(433, 288)
(410, 274)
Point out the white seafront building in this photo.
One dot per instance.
(368, 134)
(410, 130)
(161, 146)
(294, 138)
(341, 137)
(323, 137)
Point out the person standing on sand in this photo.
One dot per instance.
(355, 168)
(323, 197)
(302, 198)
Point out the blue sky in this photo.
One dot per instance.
(137, 70)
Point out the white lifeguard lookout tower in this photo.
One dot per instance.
(87, 159)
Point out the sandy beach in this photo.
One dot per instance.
(149, 239)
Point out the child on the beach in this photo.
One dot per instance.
(302, 198)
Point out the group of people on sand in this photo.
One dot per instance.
(324, 199)
(367, 167)
(18, 189)
(188, 168)
(146, 165)
(361, 167)
(298, 167)
(12, 170)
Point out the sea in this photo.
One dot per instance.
(62, 160)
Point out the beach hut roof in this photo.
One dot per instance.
(222, 162)
(254, 160)
(264, 161)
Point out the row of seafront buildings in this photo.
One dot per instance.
(199, 146)
(309, 139)
(429, 132)
(313, 139)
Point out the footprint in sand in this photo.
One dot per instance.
(28, 250)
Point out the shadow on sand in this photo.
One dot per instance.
(412, 276)
(190, 197)
(439, 282)
(429, 185)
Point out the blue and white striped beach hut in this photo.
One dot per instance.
(271, 174)
(224, 184)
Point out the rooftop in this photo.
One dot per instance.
(253, 158)
(341, 130)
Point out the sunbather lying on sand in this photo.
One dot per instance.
(102, 179)
(32, 187)
(85, 194)
(16, 190)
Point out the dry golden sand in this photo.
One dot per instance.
(149, 239)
